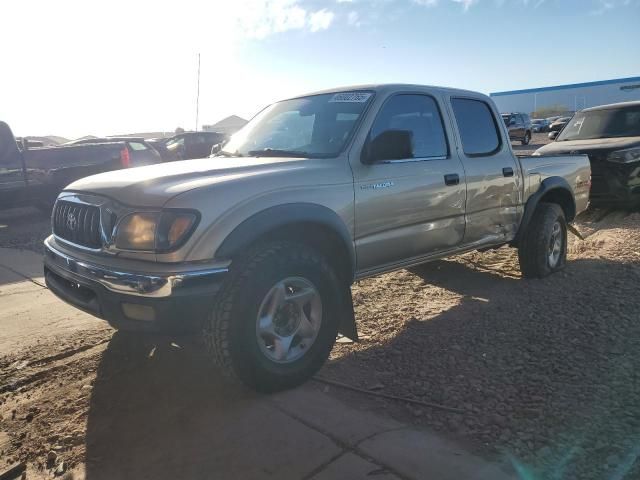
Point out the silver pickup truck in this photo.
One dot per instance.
(255, 248)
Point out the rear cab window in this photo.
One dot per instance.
(477, 127)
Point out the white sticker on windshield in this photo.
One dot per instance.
(351, 97)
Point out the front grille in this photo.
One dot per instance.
(77, 223)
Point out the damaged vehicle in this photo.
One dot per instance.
(256, 251)
(610, 136)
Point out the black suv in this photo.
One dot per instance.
(188, 145)
(519, 126)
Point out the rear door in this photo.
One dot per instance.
(413, 206)
(522, 126)
(494, 193)
(201, 145)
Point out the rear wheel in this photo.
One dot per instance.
(543, 248)
(274, 325)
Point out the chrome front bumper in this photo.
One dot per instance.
(129, 283)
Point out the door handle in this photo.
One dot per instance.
(507, 172)
(451, 179)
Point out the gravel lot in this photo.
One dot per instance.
(544, 372)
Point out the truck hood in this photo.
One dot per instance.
(583, 146)
(154, 185)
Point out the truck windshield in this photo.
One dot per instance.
(614, 122)
(316, 126)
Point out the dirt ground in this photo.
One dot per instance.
(544, 372)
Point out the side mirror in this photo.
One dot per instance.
(553, 135)
(389, 145)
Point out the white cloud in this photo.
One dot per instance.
(466, 3)
(320, 20)
(426, 3)
(259, 19)
(603, 6)
(353, 19)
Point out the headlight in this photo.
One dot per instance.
(155, 231)
(628, 155)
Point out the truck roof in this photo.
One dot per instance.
(390, 87)
(613, 106)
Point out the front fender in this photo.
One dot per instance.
(279, 216)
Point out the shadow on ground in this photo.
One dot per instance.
(160, 410)
(544, 370)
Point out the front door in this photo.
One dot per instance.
(410, 204)
(493, 176)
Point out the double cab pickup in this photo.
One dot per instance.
(255, 248)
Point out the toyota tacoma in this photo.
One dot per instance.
(257, 251)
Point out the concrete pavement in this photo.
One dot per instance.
(29, 313)
(170, 415)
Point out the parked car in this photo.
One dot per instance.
(519, 127)
(257, 250)
(140, 151)
(552, 119)
(189, 145)
(160, 146)
(610, 136)
(28, 142)
(558, 125)
(35, 176)
(539, 125)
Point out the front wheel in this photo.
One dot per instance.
(275, 323)
(543, 247)
(526, 139)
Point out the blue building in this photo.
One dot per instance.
(569, 98)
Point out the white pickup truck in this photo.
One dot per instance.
(256, 247)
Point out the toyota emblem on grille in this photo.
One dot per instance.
(72, 221)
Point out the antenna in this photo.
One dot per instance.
(198, 95)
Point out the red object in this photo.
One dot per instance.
(125, 159)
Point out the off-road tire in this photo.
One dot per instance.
(526, 139)
(533, 248)
(229, 334)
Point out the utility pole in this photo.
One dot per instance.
(198, 95)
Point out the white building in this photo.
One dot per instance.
(569, 98)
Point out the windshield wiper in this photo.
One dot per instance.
(273, 152)
(222, 153)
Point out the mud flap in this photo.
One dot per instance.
(348, 321)
(575, 231)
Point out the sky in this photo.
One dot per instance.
(74, 68)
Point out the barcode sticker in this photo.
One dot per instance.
(351, 97)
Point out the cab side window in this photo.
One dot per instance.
(418, 117)
(477, 126)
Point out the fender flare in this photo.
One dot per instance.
(283, 215)
(289, 214)
(547, 185)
